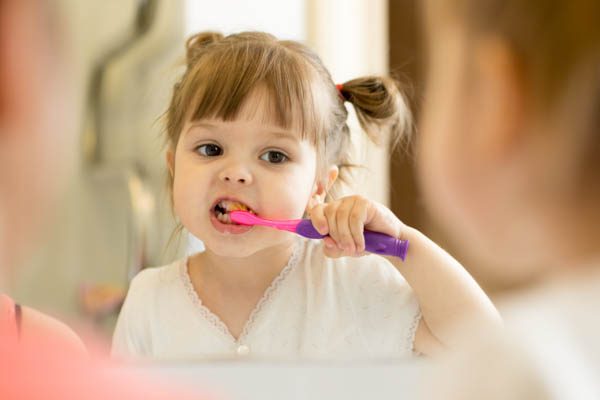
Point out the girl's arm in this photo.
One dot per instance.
(446, 293)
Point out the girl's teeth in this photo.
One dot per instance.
(224, 218)
(229, 206)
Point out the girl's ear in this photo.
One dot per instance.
(332, 175)
(321, 187)
(171, 161)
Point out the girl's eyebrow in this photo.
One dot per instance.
(283, 135)
(275, 133)
(192, 129)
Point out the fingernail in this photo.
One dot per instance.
(328, 245)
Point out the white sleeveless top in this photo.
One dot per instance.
(317, 307)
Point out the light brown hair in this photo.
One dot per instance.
(222, 71)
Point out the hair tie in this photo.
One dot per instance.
(340, 89)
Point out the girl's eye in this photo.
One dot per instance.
(209, 150)
(274, 157)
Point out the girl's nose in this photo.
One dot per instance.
(236, 174)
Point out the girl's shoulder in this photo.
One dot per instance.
(153, 290)
(155, 278)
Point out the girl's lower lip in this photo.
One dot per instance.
(228, 228)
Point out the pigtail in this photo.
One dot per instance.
(380, 107)
(381, 110)
(197, 44)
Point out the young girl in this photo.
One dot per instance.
(257, 123)
(510, 139)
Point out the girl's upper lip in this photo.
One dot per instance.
(231, 198)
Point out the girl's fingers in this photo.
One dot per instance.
(317, 217)
(330, 212)
(356, 220)
(345, 237)
(331, 249)
(344, 221)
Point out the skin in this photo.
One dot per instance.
(235, 270)
(33, 152)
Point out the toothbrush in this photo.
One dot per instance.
(375, 242)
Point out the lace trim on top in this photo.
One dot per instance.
(214, 320)
(412, 331)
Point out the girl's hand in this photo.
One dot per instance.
(345, 220)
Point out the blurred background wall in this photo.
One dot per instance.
(112, 219)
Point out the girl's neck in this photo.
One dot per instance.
(256, 270)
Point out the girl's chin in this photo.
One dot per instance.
(231, 249)
(240, 246)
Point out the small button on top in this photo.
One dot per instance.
(243, 350)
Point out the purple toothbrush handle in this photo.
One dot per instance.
(375, 242)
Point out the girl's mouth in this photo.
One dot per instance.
(222, 209)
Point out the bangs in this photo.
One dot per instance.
(282, 84)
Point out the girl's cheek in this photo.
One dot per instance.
(281, 205)
(286, 203)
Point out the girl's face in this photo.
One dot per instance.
(246, 163)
